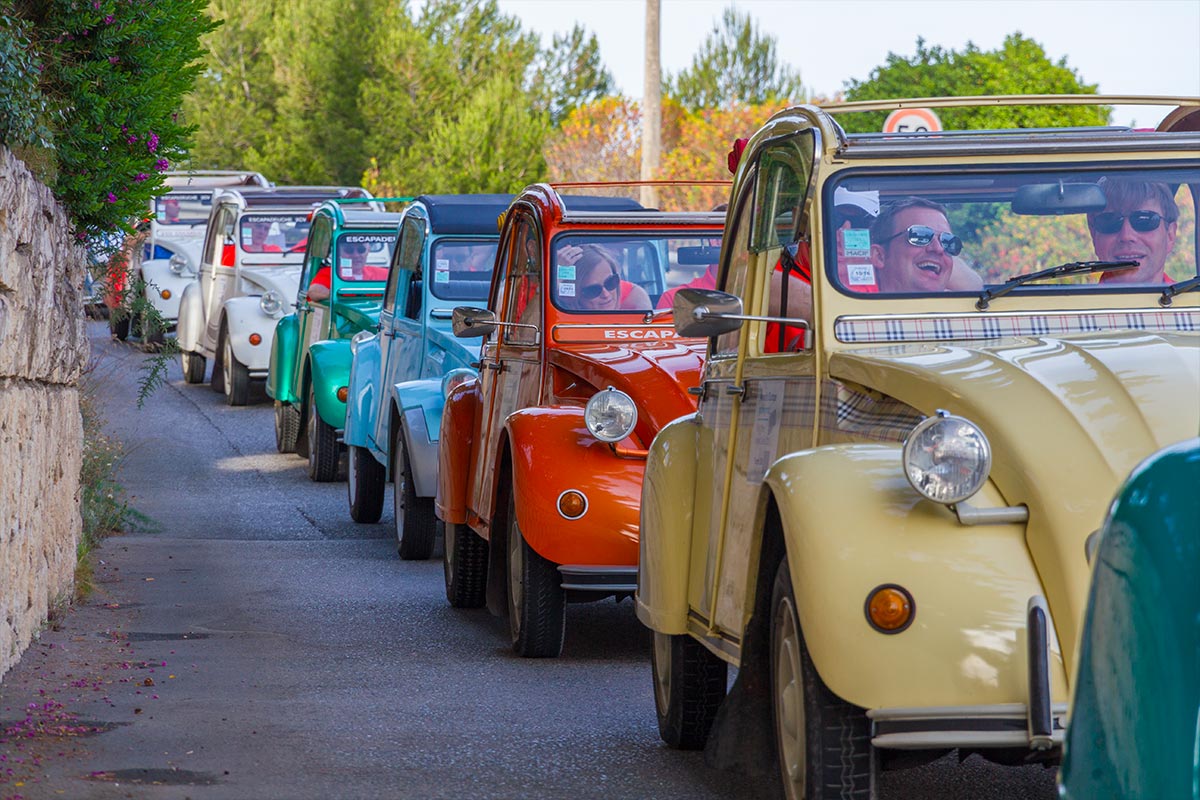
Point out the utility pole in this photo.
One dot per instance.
(652, 106)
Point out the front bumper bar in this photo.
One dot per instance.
(585, 578)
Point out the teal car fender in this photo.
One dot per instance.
(1135, 715)
(329, 370)
(418, 405)
(281, 375)
(362, 403)
(970, 585)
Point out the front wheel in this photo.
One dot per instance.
(237, 376)
(365, 480)
(287, 427)
(537, 604)
(193, 366)
(823, 743)
(415, 523)
(689, 685)
(465, 566)
(323, 451)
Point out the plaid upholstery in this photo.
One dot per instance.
(996, 326)
(854, 413)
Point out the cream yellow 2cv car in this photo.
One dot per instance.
(932, 359)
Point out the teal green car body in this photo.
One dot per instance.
(1135, 720)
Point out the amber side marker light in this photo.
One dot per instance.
(165, 294)
(255, 339)
(890, 608)
(342, 393)
(572, 504)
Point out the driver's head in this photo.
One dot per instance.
(356, 252)
(1138, 223)
(911, 246)
(259, 231)
(171, 207)
(598, 281)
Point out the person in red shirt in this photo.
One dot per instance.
(259, 231)
(1138, 223)
(599, 286)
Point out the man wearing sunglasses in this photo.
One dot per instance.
(912, 247)
(1137, 224)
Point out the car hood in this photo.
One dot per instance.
(1068, 418)
(656, 375)
(283, 280)
(186, 239)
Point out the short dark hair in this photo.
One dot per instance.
(881, 228)
(1126, 192)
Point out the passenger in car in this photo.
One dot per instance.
(598, 282)
(259, 232)
(1138, 223)
(912, 247)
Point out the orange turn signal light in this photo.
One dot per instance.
(165, 294)
(890, 608)
(342, 393)
(255, 339)
(572, 504)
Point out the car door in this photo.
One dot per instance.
(399, 326)
(217, 272)
(310, 315)
(757, 403)
(510, 366)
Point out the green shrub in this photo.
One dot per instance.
(24, 112)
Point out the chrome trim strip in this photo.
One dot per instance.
(1004, 515)
(939, 740)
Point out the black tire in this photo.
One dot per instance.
(118, 327)
(537, 604)
(465, 566)
(323, 450)
(824, 749)
(193, 365)
(365, 480)
(287, 427)
(689, 685)
(217, 381)
(416, 526)
(237, 375)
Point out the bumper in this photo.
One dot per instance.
(604, 579)
(974, 727)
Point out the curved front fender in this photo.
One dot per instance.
(329, 362)
(454, 452)
(420, 404)
(161, 280)
(281, 376)
(362, 412)
(851, 523)
(244, 317)
(667, 506)
(191, 319)
(553, 452)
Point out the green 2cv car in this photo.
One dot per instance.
(341, 290)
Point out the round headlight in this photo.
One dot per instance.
(178, 264)
(610, 415)
(947, 458)
(270, 303)
(455, 378)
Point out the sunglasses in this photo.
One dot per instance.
(354, 248)
(1141, 221)
(594, 290)
(922, 235)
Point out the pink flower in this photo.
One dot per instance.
(131, 138)
(162, 165)
(113, 60)
(152, 142)
(141, 176)
(109, 19)
(112, 198)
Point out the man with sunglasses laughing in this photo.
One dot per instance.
(912, 248)
(1138, 223)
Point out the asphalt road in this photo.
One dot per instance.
(253, 642)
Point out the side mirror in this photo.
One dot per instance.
(702, 313)
(469, 322)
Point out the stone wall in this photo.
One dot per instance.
(43, 350)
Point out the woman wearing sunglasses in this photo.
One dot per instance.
(598, 284)
(1137, 224)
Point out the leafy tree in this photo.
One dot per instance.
(701, 152)
(1020, 66)
(736, 65)
(602, 140)
(570, 73)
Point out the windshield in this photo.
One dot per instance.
(364, 256)
(273, 233)
(917, 234)
(462, 269)
(183, 208)
(630, 273)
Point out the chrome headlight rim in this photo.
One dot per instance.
(610, 415)
(178, 264)
(949, 443)
(271, 303)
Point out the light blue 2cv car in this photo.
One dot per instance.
(400, 376)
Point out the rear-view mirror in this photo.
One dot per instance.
(1055, 199)
(701, 313)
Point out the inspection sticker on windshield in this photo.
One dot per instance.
(441, 276)
(857, 243)
(860, 274)
(566, 290)
(442, 265)
(566, 272)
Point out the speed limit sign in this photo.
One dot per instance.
(912, 120)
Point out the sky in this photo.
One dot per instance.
(1143, 47)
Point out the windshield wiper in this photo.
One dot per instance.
(1073, 268)
(1178, 288)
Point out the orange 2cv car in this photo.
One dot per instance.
(541, 456)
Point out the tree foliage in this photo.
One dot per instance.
(736, 65)
(1019, 66)
(602, 140)
(701, 151)
(570, 73)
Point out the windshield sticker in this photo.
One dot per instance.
(196, 197)
(860, 274)
(346, 262)
(247, 237)
(254, 219)
(566, 290)
(368, 238)
(566, 272)
(856, 242)
(441, 276)
(768, 411)
(443, 265)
